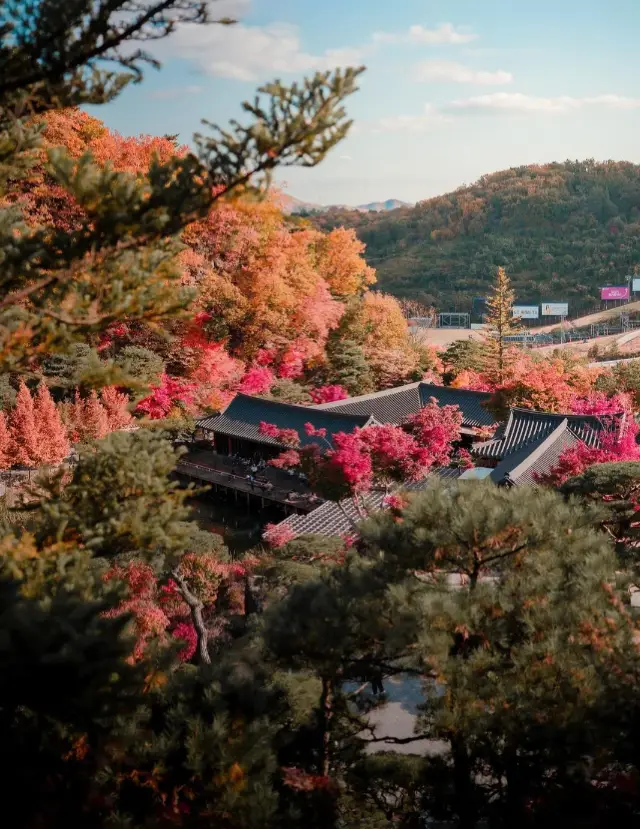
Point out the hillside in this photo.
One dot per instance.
(290, 204)
(561, 230)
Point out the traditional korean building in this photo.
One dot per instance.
(525, 429)
(236, 430)
(396, 405)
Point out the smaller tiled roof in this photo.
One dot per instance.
(525, 426)
(242, 418)
(396, 405)
(535, 459)
(330, 519)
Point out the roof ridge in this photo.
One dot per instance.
(374, 395)
(296, 406)
(454, 389)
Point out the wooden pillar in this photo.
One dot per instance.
(229, 446)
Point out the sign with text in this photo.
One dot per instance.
(614, 293)
(636, 283)
(555, 309)
(526, 312)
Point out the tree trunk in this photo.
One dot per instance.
(195, 606)
(326, 717)
(463, 785)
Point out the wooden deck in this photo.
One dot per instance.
(220, 479)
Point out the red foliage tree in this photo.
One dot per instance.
(328, 394)
(53, 444)
(436, 428)
(616, 444)
(23, 429)
(172, 390)
(257, 380)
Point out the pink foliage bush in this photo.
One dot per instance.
(257, 380)
(277, 535)
(328, 394)
(171, 391)
(186, 632)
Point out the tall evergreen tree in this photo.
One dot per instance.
(501, 324)
(53, 444)
(24, 448)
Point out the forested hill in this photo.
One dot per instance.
(561, 230)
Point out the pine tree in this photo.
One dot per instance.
(501, 324)
(348, 366)
(528, 646)
(24, 431)
(53, 444)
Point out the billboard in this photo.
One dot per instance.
(614, 293)
(526, 312)
(555, 309)
(636, 283)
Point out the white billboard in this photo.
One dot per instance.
(555, 309)
(636, 284)
(526, 312)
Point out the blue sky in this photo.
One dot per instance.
(454, 89)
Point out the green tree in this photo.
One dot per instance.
(348, 366)
(70, 370)
(501, 324)
(615, 488)
(141, 364)
(463, 355)
(520, 655)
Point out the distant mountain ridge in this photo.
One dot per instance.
(562, 230)
(292, 205)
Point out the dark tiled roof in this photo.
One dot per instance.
(243, 416)
(525, 426)
(395, 405)
(388, 406)
(537, 458)
(330, 518)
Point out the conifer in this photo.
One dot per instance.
(24, 444)
(95, 421)
(53, 444)
(501, 324)
(115, 404)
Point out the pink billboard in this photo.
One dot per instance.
(614, 293)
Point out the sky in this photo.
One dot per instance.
(454, 89)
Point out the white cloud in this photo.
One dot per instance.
(429, 119)
(445, 33)
(250, 53)
(175, 92)
(345, 158)
(517, 102)
(445, 70)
